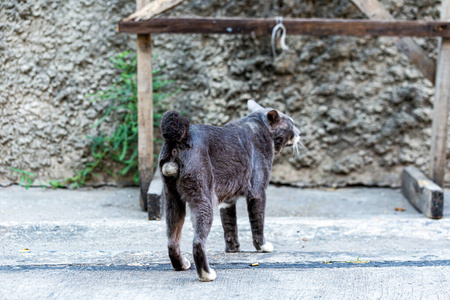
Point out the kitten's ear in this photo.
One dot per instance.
(253, 106)
(273, 117)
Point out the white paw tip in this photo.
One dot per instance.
(208, 276)
(267, 247)
(186, 263)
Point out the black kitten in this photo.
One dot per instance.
(205, 166)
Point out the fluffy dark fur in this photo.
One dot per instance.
(205, 166)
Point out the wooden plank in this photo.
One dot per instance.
(418, 57)
(423, 193)
(145, 111)
(441, 107)
(374, 10)
(293, 26)
(145, 114)
(154, 200)
(152, 9)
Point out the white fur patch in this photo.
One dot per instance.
(294, 140)
(252, 127)
(205, 276)
(225, 205)
(170, 169)
(267, 247)
(186, 262)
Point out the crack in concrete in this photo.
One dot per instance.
(167, 267)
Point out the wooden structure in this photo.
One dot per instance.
(380, 23)
(423, 193)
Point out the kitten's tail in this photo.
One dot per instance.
(174, 127)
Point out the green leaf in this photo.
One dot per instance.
(26, 178)
(121, 146)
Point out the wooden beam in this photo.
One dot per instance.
(441, 107)
(154, 200)
(145, 114)
(423, 193)
(152, 9)
(374, 10)
(293, 26)
(145, 111)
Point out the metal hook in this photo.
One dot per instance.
(279, 27)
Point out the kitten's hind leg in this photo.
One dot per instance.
(256, 209)
(202, 218)
(175, 214)
(229, 224)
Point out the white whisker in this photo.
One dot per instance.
(303, 145)
(295, 148)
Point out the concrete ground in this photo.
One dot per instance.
(329, 244)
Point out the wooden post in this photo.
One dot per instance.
(145, 111)
(422, 193)
(155, 7)
(154, 196)
(374, 10)
(441, 106)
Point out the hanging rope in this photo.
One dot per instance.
(278, 32)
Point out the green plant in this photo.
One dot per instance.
(358, 261)
(121, 145)
(26, 178)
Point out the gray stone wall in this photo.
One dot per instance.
(363, 109)
(53, 53)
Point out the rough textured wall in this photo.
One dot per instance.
(363, 109)
(53, 53)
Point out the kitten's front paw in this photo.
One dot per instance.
(205, 276)
(267, 247)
